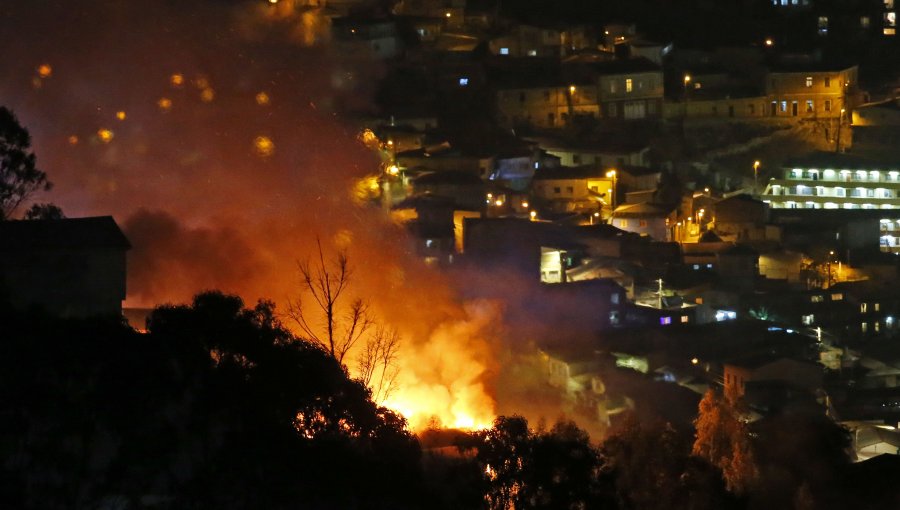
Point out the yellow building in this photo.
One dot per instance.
(812, 90)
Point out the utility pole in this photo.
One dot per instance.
(659, 303)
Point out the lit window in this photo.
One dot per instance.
(863, 307)
(890, 31)
(463, 82)
(863, 327)
(837, 297)
(864, 22)
(532, 53)
(816, 299)
(696, 267)
(890, 19)
(614, 299)
(823, 25)
(504, 51)
(783, 106)
(628, 85)
(810, 107)
(684, 319)
(877, 307)
(809, 81)
(808, 320)
(665, 320)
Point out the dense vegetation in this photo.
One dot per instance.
(218, 406)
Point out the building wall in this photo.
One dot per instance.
(810, 94)
(546, 106)
(66, 282)
(656, 228)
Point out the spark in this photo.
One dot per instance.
(207, 95)
(73, 140)
(164, 104)
(176, 80)
(44, 70)
(262, 99)
(120, 115)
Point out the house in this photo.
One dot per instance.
(527, 41)
(574, 189)
(69, 267)
(429, 219)
(465, 190)
(377, 37)
(646, 219)
(608, 153)
(629, 89)
(545, 101)
(766, 368)
(812, 90)
(742, 218)
(637, 178)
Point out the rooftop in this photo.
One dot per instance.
(99, 231)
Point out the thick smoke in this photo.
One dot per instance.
(209, 130)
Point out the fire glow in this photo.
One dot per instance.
(209, 202)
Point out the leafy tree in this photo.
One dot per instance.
(19, 176)
(651, 467)
(723, 439)
(44, 212)
(523, 469)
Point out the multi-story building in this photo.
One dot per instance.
(811, 90)
(629, 89)
(840, 181)
(551, 103)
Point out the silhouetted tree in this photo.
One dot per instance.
(217, 406)
(19, 175)
(330, 318)
(652, 468)
(558, 469)
(44, 212)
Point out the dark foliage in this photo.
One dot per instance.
(44, 212)
(19, 176)
(216, 407)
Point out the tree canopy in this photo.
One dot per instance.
(19, 176)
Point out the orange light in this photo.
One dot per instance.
(73, 140)
(120, 115)
(105, 135)
(262, 99)
(264, 146)
(176, 80)
(164, 104)
(207, 95)
(44, 70)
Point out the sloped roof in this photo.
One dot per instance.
(100, 231)
(642, 210)
(569, 172)
(448, 177)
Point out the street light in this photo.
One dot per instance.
(612, 199)
(756, 177)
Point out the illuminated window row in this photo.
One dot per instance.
(845, 175)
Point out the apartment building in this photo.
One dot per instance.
(840, 181)
(811, 90)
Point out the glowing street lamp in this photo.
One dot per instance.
(533, 215)
(756, 177)
(612, 199)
